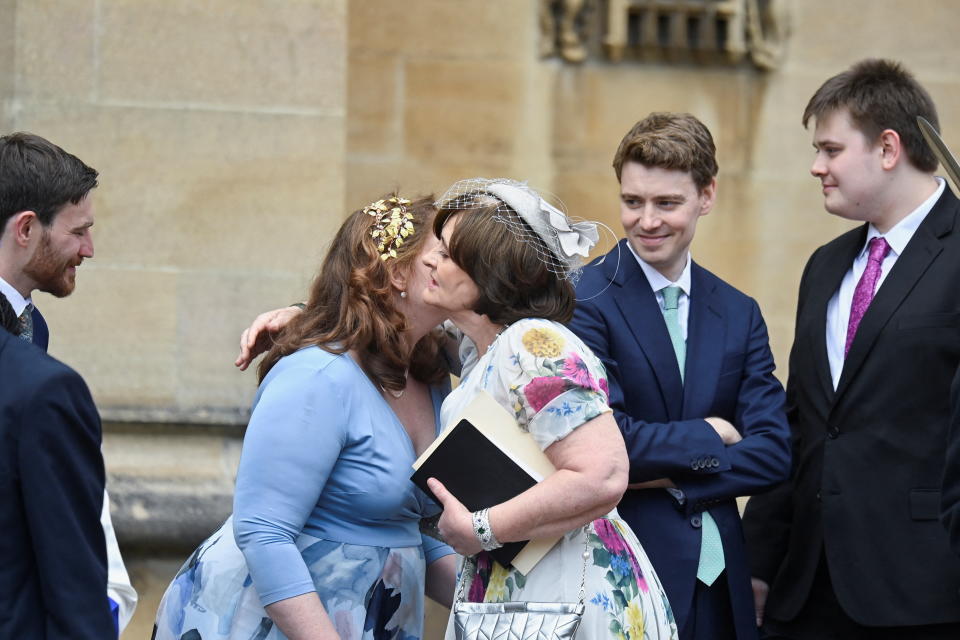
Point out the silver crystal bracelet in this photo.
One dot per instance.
(483, 530)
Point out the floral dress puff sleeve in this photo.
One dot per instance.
(545, 375)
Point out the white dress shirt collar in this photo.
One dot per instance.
(899, 235)
(658, 281)
(17, 301)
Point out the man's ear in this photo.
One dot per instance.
(22, 226)
(708, 197)
(890, 148)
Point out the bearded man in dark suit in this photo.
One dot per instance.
(46, 217)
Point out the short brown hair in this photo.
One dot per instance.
(352, 305)
(37, 175)
(879, 95)
(513, 281)
(670, 141)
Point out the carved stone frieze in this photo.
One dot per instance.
(707, 31)
(561, 29)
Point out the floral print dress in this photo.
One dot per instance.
(553, 383)
(373, 593)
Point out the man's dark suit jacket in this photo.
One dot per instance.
(868, 457)
(950, 494)
(53, 580)
(728, 374)
(41, 334)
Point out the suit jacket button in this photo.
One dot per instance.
(695, 521)
(818, 496)
(833, 432)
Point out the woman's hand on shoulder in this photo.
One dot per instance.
(258, 337)
(456, 522)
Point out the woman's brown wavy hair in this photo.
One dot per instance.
(352, 306)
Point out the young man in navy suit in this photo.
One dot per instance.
(851, 546)
(46, 216)
(691, 379)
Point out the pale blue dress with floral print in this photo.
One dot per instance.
(553, 383)
(323, 504)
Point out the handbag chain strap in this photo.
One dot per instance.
(471, 561)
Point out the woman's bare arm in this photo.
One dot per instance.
(590, 479)
(302, 618)
(442, 580)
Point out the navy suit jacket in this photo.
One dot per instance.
(54, 578)
(41, 334)
(728, 374)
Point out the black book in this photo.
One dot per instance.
(477, 472)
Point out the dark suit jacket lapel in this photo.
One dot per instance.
(41, 334)
(644, 319)
(836, 262)
(923, 247)
(706, 337)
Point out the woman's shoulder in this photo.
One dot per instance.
(527, 324)
(311, 363)
(543, 338)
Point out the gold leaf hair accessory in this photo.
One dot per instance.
(392, 225)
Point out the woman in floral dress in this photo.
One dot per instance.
(502, 272)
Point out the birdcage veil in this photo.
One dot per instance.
(561, 243)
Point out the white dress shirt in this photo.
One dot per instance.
(17, 301)
(659, 282)
(838, 309)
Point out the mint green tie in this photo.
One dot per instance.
(711, 547)
(671, 300)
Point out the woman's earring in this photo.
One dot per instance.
(403, 294)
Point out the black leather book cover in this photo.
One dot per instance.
(478, 473)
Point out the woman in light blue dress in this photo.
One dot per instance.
(324, 541)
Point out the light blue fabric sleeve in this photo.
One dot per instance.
(293, 440)
(433, 549)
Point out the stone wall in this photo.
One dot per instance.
(233, 136)
(441, 90)
(218, 128)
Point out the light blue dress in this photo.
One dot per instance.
(323, 503)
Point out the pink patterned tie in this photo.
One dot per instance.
(863, 294)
